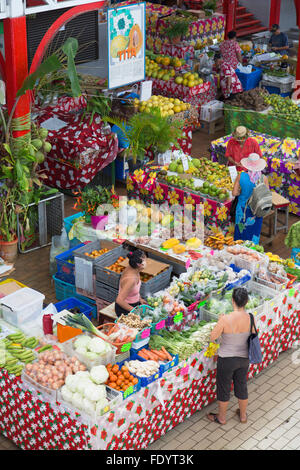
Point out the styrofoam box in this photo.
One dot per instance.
(23, 307)
(211, 111)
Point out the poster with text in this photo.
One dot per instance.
(126, 44)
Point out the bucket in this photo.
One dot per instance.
(99, 221)
(9, 250)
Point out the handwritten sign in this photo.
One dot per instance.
(188, 263)
(126, 347)
(233, 173)
(160, 325)
(177, 318)
(146, 333)
(146, 90)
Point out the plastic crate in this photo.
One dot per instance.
(132, 389)
(238, 282)
(64, 290)
(114, 398)
(277, 91)
(145, 381)
(105, 275)
(137, 345)
(8, 281)
(157, 283)
(252, 266)
(250, 80)
(72, 302)
(104, 292)
(89, 247)
(30, 384)
(66, 269)
(108, 358)
(163, 366)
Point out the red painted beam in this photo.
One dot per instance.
(16, 64)
(297, 91)
(229, 9)
(297, 5)
(55, 27)
(274, 12)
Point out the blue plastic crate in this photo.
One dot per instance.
(276, 90)
(250, 80)
(66, 269)
(145, 380)
(164, 366)
(64, 290)
(132, 389)
(238, 282)
(72, 302)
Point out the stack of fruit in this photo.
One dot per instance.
(194, 167)
(167, 106)
(214, 192)
(218, 241)
(188, 79)
(284, 108)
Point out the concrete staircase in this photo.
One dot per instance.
(246, 23)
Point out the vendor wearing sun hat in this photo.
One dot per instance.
(248, 227)
(240, 146)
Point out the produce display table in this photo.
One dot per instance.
(33, 423)
(280, 155)
(259, 122)
(143, 185)
(79, 149)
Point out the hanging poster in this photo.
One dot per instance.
(126, 44)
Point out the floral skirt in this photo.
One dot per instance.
(247, 227)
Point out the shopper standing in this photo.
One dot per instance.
(247, 226)
(233, 357)
(241, 145)
(230, 50)
(229, 82)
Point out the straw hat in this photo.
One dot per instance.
(240, 133)
(253, 162)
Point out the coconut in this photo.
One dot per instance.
(37, 143)
(47, 147)
(43, 133)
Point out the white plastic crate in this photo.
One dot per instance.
(30, 384)
(103, 359)
(252, 266)
(114, 398)
(23, 308)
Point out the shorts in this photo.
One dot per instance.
(120, 310)
(232, 369)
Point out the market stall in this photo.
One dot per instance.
(281, 155)
(35, 419)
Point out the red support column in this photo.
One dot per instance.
(274, 12)
(297, 90)
(229, 9)
(16, 65)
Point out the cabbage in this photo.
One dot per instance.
(98, 345)
(77, 400)
(99, 374)
(81, 351)
(82, 341)
(88, 406)
(66, 393)
(94, 392)
(83, 374)
(82, 384)
(92, 356)
(71, 382)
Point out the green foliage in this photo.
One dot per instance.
(91, 198)
(177, 28)
(98, 104)
(144, 130)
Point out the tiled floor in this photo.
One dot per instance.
(274, 398)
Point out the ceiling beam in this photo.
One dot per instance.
(17, 8)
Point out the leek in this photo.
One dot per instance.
(79, 320)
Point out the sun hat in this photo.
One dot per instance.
(254, 162)
(240, 133)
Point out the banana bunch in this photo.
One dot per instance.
(274, 258)
(218, 241)
(15, 351)
(211, 350)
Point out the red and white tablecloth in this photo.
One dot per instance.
(79, 150)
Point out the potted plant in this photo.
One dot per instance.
(145, 131)
(177, 29)
(209, 7)
(94, 202)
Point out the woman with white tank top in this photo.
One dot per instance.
(233, 360)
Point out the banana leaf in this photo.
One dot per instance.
(70, 48)
(52, 64)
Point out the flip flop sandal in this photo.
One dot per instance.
(215, 418)
(238, 414)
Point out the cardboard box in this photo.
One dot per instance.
(212, 111)
(153, 267)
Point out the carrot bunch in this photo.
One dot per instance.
(119, 335)
(120, 379)
(155, 355)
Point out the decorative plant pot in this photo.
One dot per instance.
(99, 221)
(9, 250)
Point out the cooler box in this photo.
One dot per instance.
(23, 309)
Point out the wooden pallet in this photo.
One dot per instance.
(213, 126)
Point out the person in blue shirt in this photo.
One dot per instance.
(279, 41)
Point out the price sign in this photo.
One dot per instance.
(233, 173)
(126, 347)
(160, 325)
(145, 333)
(185, 163)
(188, 263)
(146, 90)
(177, 318)
(292, 292)
(128, 391)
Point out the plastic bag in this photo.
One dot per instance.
(60, 244)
